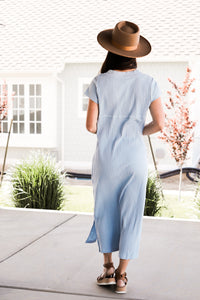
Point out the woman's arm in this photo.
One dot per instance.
(92, 116)
(158, 117)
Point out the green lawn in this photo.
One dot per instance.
(186, 208)
(80, 198)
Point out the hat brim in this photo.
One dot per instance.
(104, 38)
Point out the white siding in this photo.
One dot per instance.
(20, 145)
(58, 126)
(16, 154)
(80, 144)
(161, 71)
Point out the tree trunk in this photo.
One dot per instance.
(5, 155)
(155, 165)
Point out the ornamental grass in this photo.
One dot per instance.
(37, 183)
(154, 196)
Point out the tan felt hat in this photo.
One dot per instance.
(124, 40)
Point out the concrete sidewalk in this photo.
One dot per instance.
(43, 255)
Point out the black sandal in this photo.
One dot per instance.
(105, 279)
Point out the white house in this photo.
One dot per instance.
(49, 54)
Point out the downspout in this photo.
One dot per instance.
(62, 119)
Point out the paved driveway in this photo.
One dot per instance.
(43, 255)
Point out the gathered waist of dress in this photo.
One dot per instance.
(121, 116)
(124, 126)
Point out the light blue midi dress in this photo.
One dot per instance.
(119, 164)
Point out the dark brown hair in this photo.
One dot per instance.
(118, 62)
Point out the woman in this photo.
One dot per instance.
(119, 98)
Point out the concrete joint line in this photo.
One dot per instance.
(38, 238)
(64, 293)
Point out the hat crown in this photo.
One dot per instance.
(126, 35)
(125, 40)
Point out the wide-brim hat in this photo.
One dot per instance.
(124, 40)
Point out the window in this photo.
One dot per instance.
(83, 100)
(25, 108)
(18, 108)
(33, 108)
(35, 118)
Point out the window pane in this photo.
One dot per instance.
(21, 115)
(31, 90)
(32, 102)
(85, 104)
(15, 127)
(38, 127)
(32, 115)
(15, 103)
(85, 86)
(84, 107)
(35, 113)
(38, 89)
(5, 127)
(21, 102)
(21, 127)
(15, 115)
(21, 90)
(15, 89)
(38, 115)
(32, 127)
(38, 102)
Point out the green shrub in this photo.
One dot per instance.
(37, 183)
(153, 196)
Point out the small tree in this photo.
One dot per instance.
(3, 103)
(179, 128)
(3, 115)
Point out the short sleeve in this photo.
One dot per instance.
(91, 91)
(155, 91)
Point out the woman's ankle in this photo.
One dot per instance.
(107, 258)
(123, 264)
(109, 268)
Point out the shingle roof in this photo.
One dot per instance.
(42, 35)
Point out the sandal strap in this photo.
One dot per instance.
(103, 275)
(122, 276)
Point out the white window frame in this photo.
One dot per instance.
(81, 82)
(27, 109)
(48, 137)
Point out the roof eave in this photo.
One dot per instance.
(149, 58)
(29, 71)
